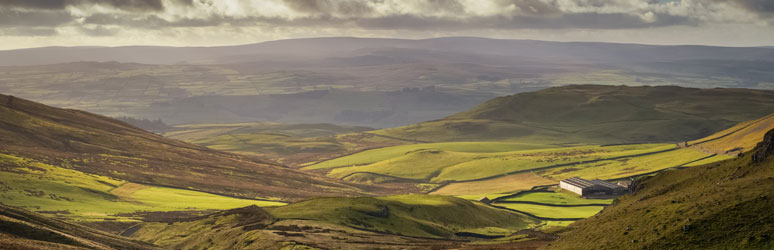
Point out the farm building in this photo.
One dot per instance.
(586, 187)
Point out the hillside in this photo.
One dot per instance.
(96, 145)
(725, 205)
(737, 139)
(20, 229)
(393, 222)
(595, 114)
(290, 144)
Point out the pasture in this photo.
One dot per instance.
(478, 161)
(81, 196)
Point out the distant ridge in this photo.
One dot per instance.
(309, 48)
(598, 114)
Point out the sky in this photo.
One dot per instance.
(38, 23)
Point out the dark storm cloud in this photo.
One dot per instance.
(451, 6)
(765, 7)
(24, 18)
(129, 5)
(422, 15)
(98, 31)
(28, 31)
(565, 21)
(330, 7)
(533, 7)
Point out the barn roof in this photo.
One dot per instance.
(605, 184)
(583, 183)
(578, 182)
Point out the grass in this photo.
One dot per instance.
(625, 167)
(498, 186)
(271, 139)
(723, 205)
(740, 138)
(381, 154)
(80, 196)
(103, 146)
(438, 166)
(22, 229)
(559, 198)
(411, 215)
(596, 114)
(554, 212)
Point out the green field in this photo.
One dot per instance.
(80, 196)
(560, 197)
(425, 163)
(625, 167)
(554, 212)
(381, 154)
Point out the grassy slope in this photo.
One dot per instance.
(479, 160)
(598, 115)
(412, 215)
(725, 205)
(560, 197)
(80, 196)
(739, 138)
(493, 187)
(20, 229)
(380, 154)
(392, 222)
(289, 143)
(103, 146)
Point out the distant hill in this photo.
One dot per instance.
(597, 114)
(288, 143)
(106, 147)
(20, 229)
(354, 81)
(330, 47)
(725, 205)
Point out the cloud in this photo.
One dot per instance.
(105, 18)
(27, 31)
(25, 18)
(330, 7)
(763, 7)
(98, 31)
(130, 5)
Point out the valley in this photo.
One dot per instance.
(345, 143)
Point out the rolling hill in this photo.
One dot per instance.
(392, 222)
(21, 229)
(594, 114)
(287, 143)
(724, 205)
(100, 146)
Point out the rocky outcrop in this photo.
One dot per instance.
(765, 148)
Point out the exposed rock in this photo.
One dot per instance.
(765, 148)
